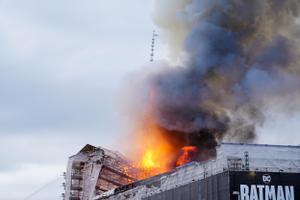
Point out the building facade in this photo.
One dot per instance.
(93, 171)
(238, 172)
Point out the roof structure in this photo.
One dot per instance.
(94, 170)
(230, 157)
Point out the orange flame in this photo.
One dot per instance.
(149, 160)
(154, 153)
(187, 154)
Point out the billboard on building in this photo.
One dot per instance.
(264, 186)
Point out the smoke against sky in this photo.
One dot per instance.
(61, 64)
(238, 60)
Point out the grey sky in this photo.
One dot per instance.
(62, 65)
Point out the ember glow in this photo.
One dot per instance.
(154, 154)
(188, 152)
(148, 160)
(159, 151)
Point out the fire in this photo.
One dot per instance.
(187, 155)
(158, 152)
(154, 154)
(149, 161)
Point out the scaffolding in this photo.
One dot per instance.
(94, 171)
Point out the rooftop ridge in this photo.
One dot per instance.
(251, 144)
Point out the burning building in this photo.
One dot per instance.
(93, 171)
(233, 63)
(238, 172)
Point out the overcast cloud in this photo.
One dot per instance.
(62, 64)
(61, 67)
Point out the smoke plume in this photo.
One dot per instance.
(238, 58)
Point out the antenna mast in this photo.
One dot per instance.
(154, 35)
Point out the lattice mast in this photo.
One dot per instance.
(154, 35)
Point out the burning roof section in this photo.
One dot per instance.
(230, 157)
(94, 170)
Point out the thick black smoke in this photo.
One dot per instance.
(238, 57)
